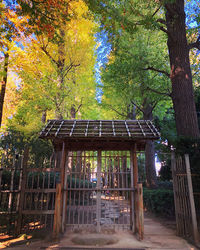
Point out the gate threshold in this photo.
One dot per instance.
(94, 248)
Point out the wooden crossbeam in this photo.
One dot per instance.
(150, 128)
(127, 129)
(59, 128)
(73, 127)
(50, 128)
(86, 130)
(113, 127)
(141, 128)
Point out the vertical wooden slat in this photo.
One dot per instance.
(63, 185)
(10, 199)
(22, 191)
(57, 212)
(65, 193)
(98, 195)
(191, 199)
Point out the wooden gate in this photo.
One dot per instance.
(186, 220)
(99, 190)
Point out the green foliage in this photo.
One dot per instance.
(159, 201)
(127, 81)
(13, 142)
(165, 172)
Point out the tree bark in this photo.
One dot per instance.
(3, 84)
(150, 167)
(181, 77)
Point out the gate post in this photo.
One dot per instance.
(22, 190)
(140, 215)
(134, 183)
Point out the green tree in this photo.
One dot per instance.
(168, 16)
(138, 92)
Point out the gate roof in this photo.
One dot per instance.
(96, 131)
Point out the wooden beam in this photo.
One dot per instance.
(90, 145)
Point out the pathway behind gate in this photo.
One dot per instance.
(157, 236)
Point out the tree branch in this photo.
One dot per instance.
(47, 53)
(121, 114)
(156, 10)
(195, 45)
(158, 92)
(158, 70)
(160, 20)
(138, 107)
(68, 68)
(154, 105)
(164, 30)
(79, 106)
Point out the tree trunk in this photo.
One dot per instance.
(44, 116)
(3, 85)
(73, 112)
(150, 168)
(181, 77)
(151, 179)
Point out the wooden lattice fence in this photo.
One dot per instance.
(186, 219)
(27, 192)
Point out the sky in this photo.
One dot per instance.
(102, 52)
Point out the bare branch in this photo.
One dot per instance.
(156, 11)
(137, 106)
(158, 92)
(160, 20)
(195, 45)
(119, 113)
(154, 105)
(68, 68)
(158, 70)
(47, 53)
(196, 72)
(164, 30)
(79, 106)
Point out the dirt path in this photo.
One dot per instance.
(157, 236)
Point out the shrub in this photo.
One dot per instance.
(159, 201)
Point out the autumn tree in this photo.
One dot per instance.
(57, 76)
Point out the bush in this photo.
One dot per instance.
(159, 201)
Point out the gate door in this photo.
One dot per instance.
(99, 190)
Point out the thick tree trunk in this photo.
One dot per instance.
(150, 168)
(181, 77)
(151, 179)
(3, 85)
